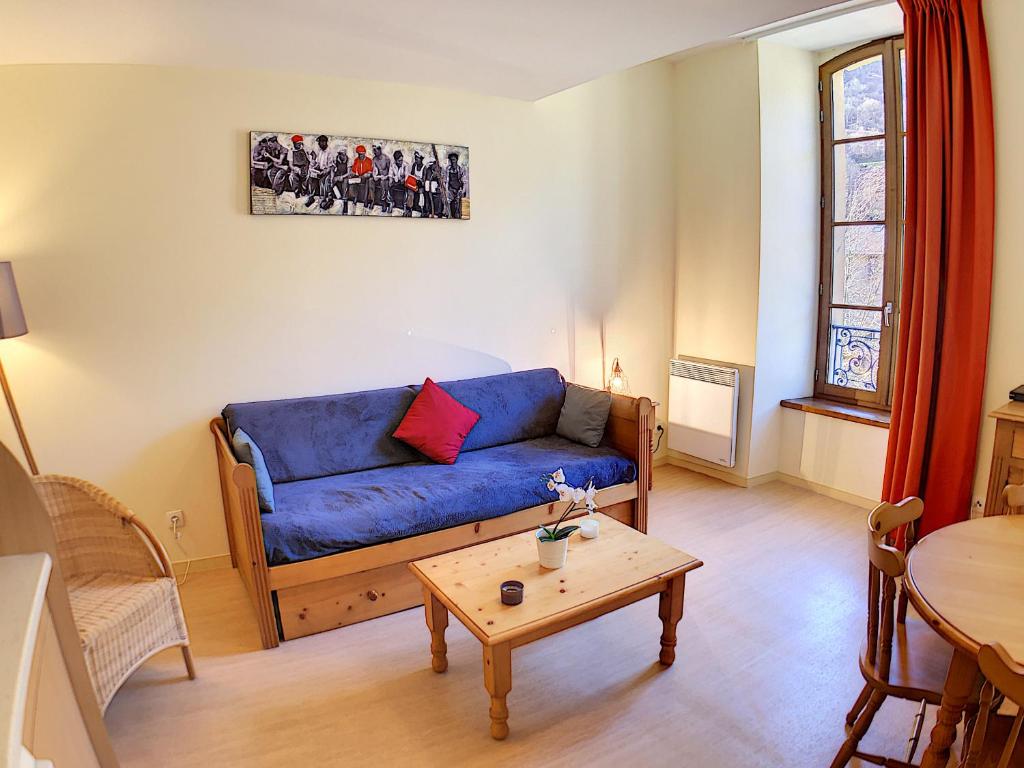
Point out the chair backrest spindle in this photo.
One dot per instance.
(886, 566)
(874, 593)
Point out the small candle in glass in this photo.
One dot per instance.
(512, 592)
(590, 527)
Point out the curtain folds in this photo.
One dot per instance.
(942, 338)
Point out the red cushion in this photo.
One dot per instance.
(436, 424)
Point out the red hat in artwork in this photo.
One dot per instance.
(296, 138)
(361, 149)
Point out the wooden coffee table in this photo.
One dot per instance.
(604, 574)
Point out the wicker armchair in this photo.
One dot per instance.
(123, 594)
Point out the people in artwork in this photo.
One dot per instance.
(380, 192)
(432, 189)
(397, 182)
(260, 164)
(298, 168)
(417, 169)
(275, 158)
(341, 175)
(321, 174)
(360, 178)
(432, 183)
(458, 184)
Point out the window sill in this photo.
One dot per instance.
(844, 411)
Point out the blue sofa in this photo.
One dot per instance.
(352, 505)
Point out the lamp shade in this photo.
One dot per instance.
(12, 318)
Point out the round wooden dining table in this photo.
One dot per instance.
(967, 582)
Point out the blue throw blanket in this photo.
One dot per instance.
(327, 515)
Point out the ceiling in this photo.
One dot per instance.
(859, 25)
(523, 50)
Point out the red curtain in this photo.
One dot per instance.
(947, 263)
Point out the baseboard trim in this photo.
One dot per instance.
(826, 490)
(212, 563)
(767, 477)
(750, 482)
(719, 474)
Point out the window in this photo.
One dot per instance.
(862, 143)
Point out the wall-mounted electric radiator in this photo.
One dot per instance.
(702, 403)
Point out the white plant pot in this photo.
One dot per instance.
(552, 553)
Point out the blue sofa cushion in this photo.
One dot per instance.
(335, 514)
(320, 436)
(512, 406)
(311, 437)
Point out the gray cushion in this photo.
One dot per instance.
(247, 452)
(584, 415)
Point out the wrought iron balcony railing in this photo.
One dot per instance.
(853, 357)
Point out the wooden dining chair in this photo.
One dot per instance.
(1013, 496)
(901, 656)
(994, 739)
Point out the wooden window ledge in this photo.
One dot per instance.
(858, 414)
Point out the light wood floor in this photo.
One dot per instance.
(765, 672)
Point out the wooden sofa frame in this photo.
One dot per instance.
(298, 599)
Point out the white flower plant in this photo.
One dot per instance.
(578, 498)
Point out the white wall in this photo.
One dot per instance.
(153, 297)
(717, 218)
(790, 253)
(608, 220)
(1003, 20)
(834, 454)
(747, 262)
(717, 206)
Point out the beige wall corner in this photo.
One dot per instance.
(717, 206)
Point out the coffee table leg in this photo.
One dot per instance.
(960, 682)
(437, 622)
(670, 609)
(498, 681)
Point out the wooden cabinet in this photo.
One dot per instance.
(41, 724)
(1007, 456)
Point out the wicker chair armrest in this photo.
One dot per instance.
(153, 545)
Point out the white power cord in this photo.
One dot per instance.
(176, 532)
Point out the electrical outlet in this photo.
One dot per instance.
(978, 507)
(176, 519)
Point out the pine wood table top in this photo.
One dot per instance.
(619, 563)
(967, 581)
(1012, 411)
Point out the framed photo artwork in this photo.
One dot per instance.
(322, 174)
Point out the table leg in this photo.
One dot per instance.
(437, 622)
(498, 681)
(960, 682)
(670, 609)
